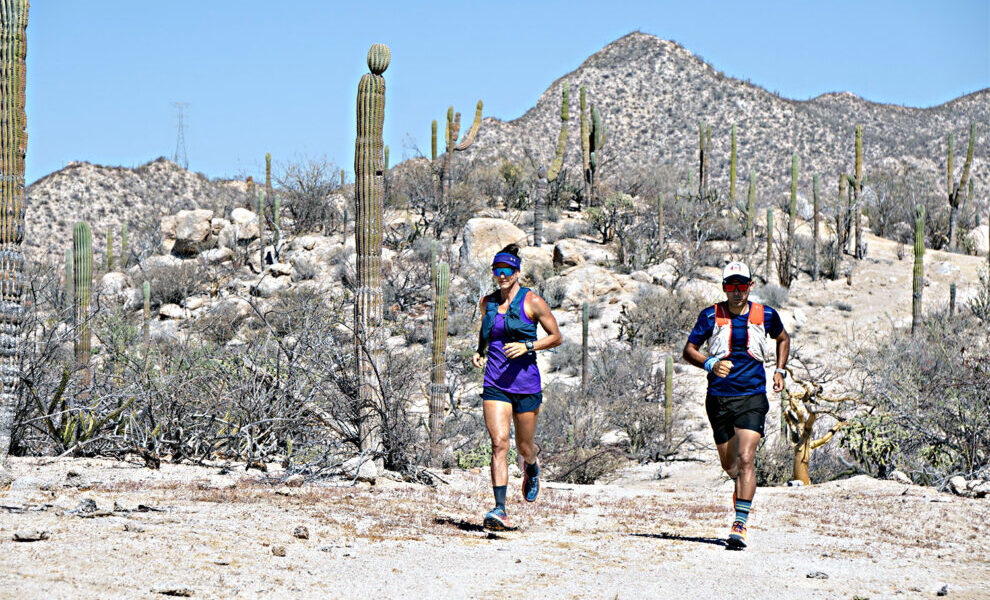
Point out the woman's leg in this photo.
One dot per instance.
(498, 418)
(525, 434)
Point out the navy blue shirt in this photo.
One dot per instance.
(748, 375)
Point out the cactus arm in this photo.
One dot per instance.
(969, 158)
(732, 168)
(472, 133)
(433, 140)
(123, 245)
(558, 159)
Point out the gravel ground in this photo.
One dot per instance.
(192, 531)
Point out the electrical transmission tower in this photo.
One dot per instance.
(180, 157)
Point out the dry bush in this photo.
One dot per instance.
(305, 187)
(171, 284)
(931, 404)
(660, 318)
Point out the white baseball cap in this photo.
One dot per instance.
(736, 269)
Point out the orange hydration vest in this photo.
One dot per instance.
(720, 344)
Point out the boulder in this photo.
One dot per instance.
(979, 240)
(232, 309)
(280, 269)
(270, 285)
(361, 468)
(193, 231)
(567, 253)
(483, 237)
(115, 288)
(588, 283)
(219, 255)
(957, 485)
(245, 223)
(171, 311)
(194, 302)
(900, 477)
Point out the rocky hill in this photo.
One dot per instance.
(652, 93)
(107, 196)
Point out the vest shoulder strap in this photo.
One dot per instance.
(756, 316)
(722, 316)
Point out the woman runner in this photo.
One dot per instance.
(512, 393)
(737, 406)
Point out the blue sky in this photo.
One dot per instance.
(281, 77)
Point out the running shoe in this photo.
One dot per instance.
(531, 487)
(737, 536)
(497, 520)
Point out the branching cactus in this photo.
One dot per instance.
(785, 270)
(146, 295)
(454, 130)
(123, 245)
(369, 183)
(840, 226)
(815, 266)
(550, 176)
(13, 145)
(585, 146)
(438, 388)
(584, 346)
(956, 190)
(82, 254)
(668, 397)
(802, 404)
(918, 279)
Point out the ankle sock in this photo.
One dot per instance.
(532, 470)
(742, 510)
(499, 496)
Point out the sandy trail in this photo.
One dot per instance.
(213, 535)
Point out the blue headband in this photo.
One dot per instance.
(509, 259)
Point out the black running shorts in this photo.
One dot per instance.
(727, 413)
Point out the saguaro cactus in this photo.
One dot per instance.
(69, 281)
(108, 257)
(13, 147)
(957, 190)
(660, 232)
(858, 193)
(438, 389)
(261, 231)
(539, 196)
(82, 254)
(369, 183)
(123, 245)
(584, 346)
(815, 267)
(668, 397)
(585, 146)
(146, 328)
(917, 281)
(704, 149)
(596, 140)
(433, 140)
(952, 298)
(841, 233)
(769, 243)
(785, 270)
(454, 130)
(732, 168)
(750, 207)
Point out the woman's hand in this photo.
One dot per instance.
(478, 360)
(514, 349)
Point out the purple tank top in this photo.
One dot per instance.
(518, 376)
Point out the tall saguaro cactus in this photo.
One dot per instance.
(917, 280)
(596, 140)
(585, 147)
(108, 257)
(13, 147)
(549, 176)
(732, 169)
(668, 397)
(858, 193)
(815, 266)
(584, 346)
(369, 184)
(957, 191)
(841, 222)
(769, 243)
(123, 245)
(454, 130)
(438, 389)
(146, 296)
(82, 255)
(785, 270)
(750, 207)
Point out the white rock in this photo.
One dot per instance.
(567, 253)
(979, 238)
(232, 309)
(219, 255)
(113, 284)
(157, 261)
(900, 477)
(482, 237)
(305, 242)
(193, 231)
(245, 223)
(946, 268)
(981, 489)
(957, 485)
(795, 483)
(194, 302)
(588, 283)
(799, 317)
(641, 276)
(171, 311)
(280, 269)
(269, 286)
(361, 468)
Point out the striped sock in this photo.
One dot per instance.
(742, 510)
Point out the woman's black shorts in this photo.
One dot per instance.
(726, 413)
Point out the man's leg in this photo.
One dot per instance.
(746, 442)
(727, 453)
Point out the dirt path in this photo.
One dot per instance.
(213, 536)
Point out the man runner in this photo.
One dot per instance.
(737, 406)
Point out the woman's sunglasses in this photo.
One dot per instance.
(503, 271)
(731, 287)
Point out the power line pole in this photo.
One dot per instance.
(180, 157)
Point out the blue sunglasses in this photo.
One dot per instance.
(503, 271)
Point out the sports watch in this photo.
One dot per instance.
(783, 372)
(529, 347)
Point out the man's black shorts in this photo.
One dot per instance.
(726, 413)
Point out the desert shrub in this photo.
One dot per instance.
(931, 405)
(535, 273)
(554, 291)
(660, 318)
(566, 358)
(572, 424)
(306, 187)
(774, 462)
(773, 295)
(171, 284)
(609, 215)
(980, 303)
(571, 228)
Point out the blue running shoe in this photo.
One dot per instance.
(497, 520)
(531, 487)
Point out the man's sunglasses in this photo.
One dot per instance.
(731, 287)
(503, 271)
